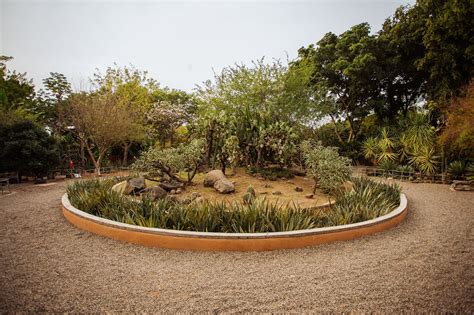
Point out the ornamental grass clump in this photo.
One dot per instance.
(368, 200)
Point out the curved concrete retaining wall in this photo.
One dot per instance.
(187, 240)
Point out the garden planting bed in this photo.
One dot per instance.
(213, 241)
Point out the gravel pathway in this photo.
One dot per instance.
(424, 264)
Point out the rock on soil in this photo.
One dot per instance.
(169, 186)
(212, 177)
(155, 192)
(224, 186)
(134, 185)
(298, 189)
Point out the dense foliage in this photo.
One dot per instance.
(327, 168)
(26, 148)
(171, 161)
(370, 200)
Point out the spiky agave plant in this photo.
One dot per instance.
(368, 200)
(457, 169)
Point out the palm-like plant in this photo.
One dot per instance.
(370, 148)
(386, 147)
(419, 132)
(404, 147)
(424, 159)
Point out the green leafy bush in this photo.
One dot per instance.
(169, 162)
(274, 173)
(328, 169)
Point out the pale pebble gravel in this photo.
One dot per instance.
(424, 264)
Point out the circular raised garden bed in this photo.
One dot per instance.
(211, 241)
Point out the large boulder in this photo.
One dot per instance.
(155, 193)
(134, 185)
(212, 177)
(224, 186)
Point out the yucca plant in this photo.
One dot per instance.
(370, 149)
(405, 168)
(424, 159)
(386, 147)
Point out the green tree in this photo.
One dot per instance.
(327, 168)
(400, 45)
(169, 162)
(131, 89)
(344, 76)
(17, 92)
(51, 103)
(251, 104)
(100, 123)
(26, 147)
(171, 110)
(448, 37)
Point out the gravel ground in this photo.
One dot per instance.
(424, 264)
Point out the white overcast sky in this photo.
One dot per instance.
(178, 43)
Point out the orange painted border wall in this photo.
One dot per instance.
(205, 241)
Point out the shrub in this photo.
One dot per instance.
(470, 173)
(169, 162)
(457, 169)
(274, 173)
(405, 169)
(388, 165)
(328, 169)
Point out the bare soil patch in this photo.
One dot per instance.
(263, 188)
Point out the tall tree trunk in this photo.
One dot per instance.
(352, 132)
(126, 147)
(335, 129)
(223, 164)
(94, 160)
(83, 156)
(210, 143)
(259, 158)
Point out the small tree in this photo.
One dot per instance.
(327, 168)
(169, 162)
(99, 123)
